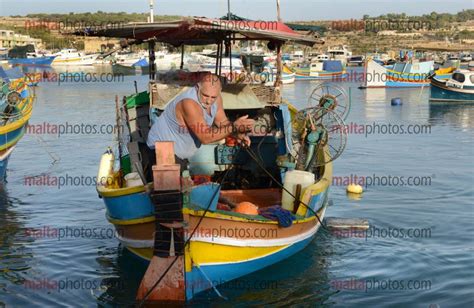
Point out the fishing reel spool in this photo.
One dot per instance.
(13, 98)
(318, 132)
(330, 97)
(10, 97)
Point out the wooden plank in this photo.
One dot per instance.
(346, 223)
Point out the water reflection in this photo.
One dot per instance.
(125, 272)
(458, 115)
(302, 278)
(15, 254)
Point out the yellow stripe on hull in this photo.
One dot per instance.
(207, 253)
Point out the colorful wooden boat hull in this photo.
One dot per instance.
(4, 157)
(379, 76)
(226, 245)
(442, 93)
(12, 131)
(322, 75)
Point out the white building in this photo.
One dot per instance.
(10, 39)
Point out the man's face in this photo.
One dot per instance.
(208, 94)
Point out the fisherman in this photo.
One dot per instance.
(197, 117)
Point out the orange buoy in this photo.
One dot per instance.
(247, 208)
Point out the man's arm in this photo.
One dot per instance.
(193, 119)
(221, 118)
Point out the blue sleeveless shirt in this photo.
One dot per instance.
(167, 128)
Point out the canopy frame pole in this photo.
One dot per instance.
(151, 56)
(228, 46)
(216, 71)
(182, 57)
(220, 58)
(279, 67)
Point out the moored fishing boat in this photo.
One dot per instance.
(287, 75)
(328, 69)
(404, 74)
(187, 229)
(16, 104)
(28, 56)
(32, 61)
(458, 89)
(72, 57)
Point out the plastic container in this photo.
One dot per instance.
(106, 168)
(133, 179)
(293, 178)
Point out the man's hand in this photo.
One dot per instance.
(243, 125)
(243, 139)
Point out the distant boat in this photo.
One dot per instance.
(340, 53)
(356, 61)
(445, 72)
(287, 75)
(465, 57)
(398, 75)
(16, 103)
(28, 56)
(458, 89)
(72, 57)
(237, 65)
(330, 69)
(131, 59)
(32, 61)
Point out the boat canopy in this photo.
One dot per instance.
(203, 31)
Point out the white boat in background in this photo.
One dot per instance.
(130, 58)
(340, 53)
(71, 56)
(270, 74)
(237, 66)
(297, 56)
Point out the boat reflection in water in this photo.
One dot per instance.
(458, 115)
(15, 256)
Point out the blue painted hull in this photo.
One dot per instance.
(41, 61)
(131, 206)
(218, 274)
(12, 135)
(441, 93)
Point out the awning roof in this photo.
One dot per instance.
(203, 31)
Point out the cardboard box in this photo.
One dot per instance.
(164, 151)
(166, 177)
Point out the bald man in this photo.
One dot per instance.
(197, 117)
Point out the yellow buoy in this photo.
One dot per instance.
(354, 189)
(354, 197)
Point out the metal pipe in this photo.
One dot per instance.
(151, 56)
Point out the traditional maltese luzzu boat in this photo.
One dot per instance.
(16, 105)
(237, 209)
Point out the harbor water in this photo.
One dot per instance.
(413, 160)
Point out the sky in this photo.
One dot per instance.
(291, 10)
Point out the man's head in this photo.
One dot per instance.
(209, 88)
